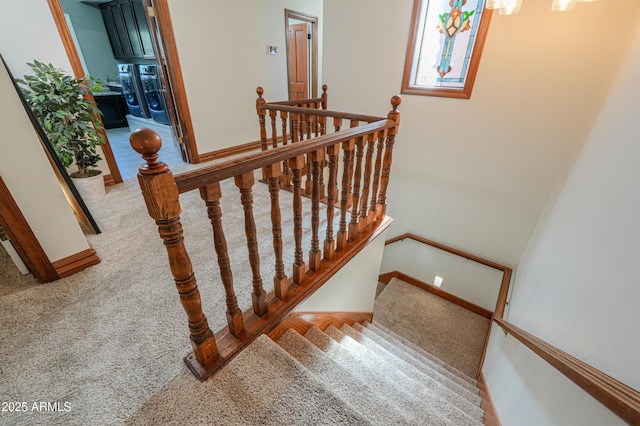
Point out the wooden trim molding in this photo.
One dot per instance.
(78, 72)
(23, 239)
(109, 180)
(621, 399)
(76, 263)
(506, 271)
(303, 321)
(501, 300)
(313, 20)
(174, 71)
(437, 291)
(490, 413)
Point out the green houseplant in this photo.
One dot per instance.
(67, 117)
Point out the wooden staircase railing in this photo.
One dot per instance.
(161, 191)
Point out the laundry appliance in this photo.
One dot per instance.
(154, 92)
(132, 90)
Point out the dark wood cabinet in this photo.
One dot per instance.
(113, 108)
(127, 29)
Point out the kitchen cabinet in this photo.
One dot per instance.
(127, 29)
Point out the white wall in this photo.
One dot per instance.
(464, 278)
(577, 285)
(92, 36)
(26, 171)
(223, 53)
(353, 288)
(475, 174)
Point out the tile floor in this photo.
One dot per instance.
(128, 160)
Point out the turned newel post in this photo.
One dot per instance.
(324, 96)
(261, 117)
(162, 199)
(394, 115)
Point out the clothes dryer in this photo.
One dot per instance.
(132, 90)
(154, 93)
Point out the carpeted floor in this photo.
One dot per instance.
(444, 329)
(105, 345)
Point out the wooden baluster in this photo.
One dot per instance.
(280, 280)
(323, 124)
(285, 178)
(309, 125)
(315, 255)
(352, 124)
(337, 123)
(362, 221)
(274, 131)
(245, 182)
(296, 165)
(211, 195)
(329, 245)
(373, 213)
(162, 200)
(316, 121)
(324, 96)
(295, 127)
(355, 197)
(393, 115)
(347, 148)
(261, 118)
(303, 126)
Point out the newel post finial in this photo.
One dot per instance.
(324, 96)
(260, 101)
(394, 114)
(148, 143)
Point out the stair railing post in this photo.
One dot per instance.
(161, 197)
(393, 115)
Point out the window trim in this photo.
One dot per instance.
(464, 93)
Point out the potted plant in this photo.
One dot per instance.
(69, 120)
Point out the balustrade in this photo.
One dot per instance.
(301, 151)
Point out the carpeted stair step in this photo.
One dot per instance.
(356, 390)
(431, 379)
(419, 392)
(263, 385)
(417, 359)
(413, 348)
(424, 412)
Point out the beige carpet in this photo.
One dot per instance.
(444, 329)
(11, 280)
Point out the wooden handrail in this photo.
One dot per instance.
(298, 102)
(308, 154)
(506, 271)
(322, 112)
(621, 399)
(196, 178)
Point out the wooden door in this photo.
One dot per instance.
(298, 61)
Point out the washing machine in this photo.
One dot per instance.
(132, 90)
(154, 93)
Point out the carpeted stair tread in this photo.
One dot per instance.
(379, 379)
(431, 379)
(263, 385)
(411, 356)
(417, 389)
(413, 348)
(354, 389)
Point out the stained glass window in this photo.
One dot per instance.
(444, 47)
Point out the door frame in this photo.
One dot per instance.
(163, 20)
(313, 20)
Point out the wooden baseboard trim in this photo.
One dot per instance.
(386, 277)
(490, 413)
(109, 180)
(438, 292)
(303, 321)
(76, 262)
